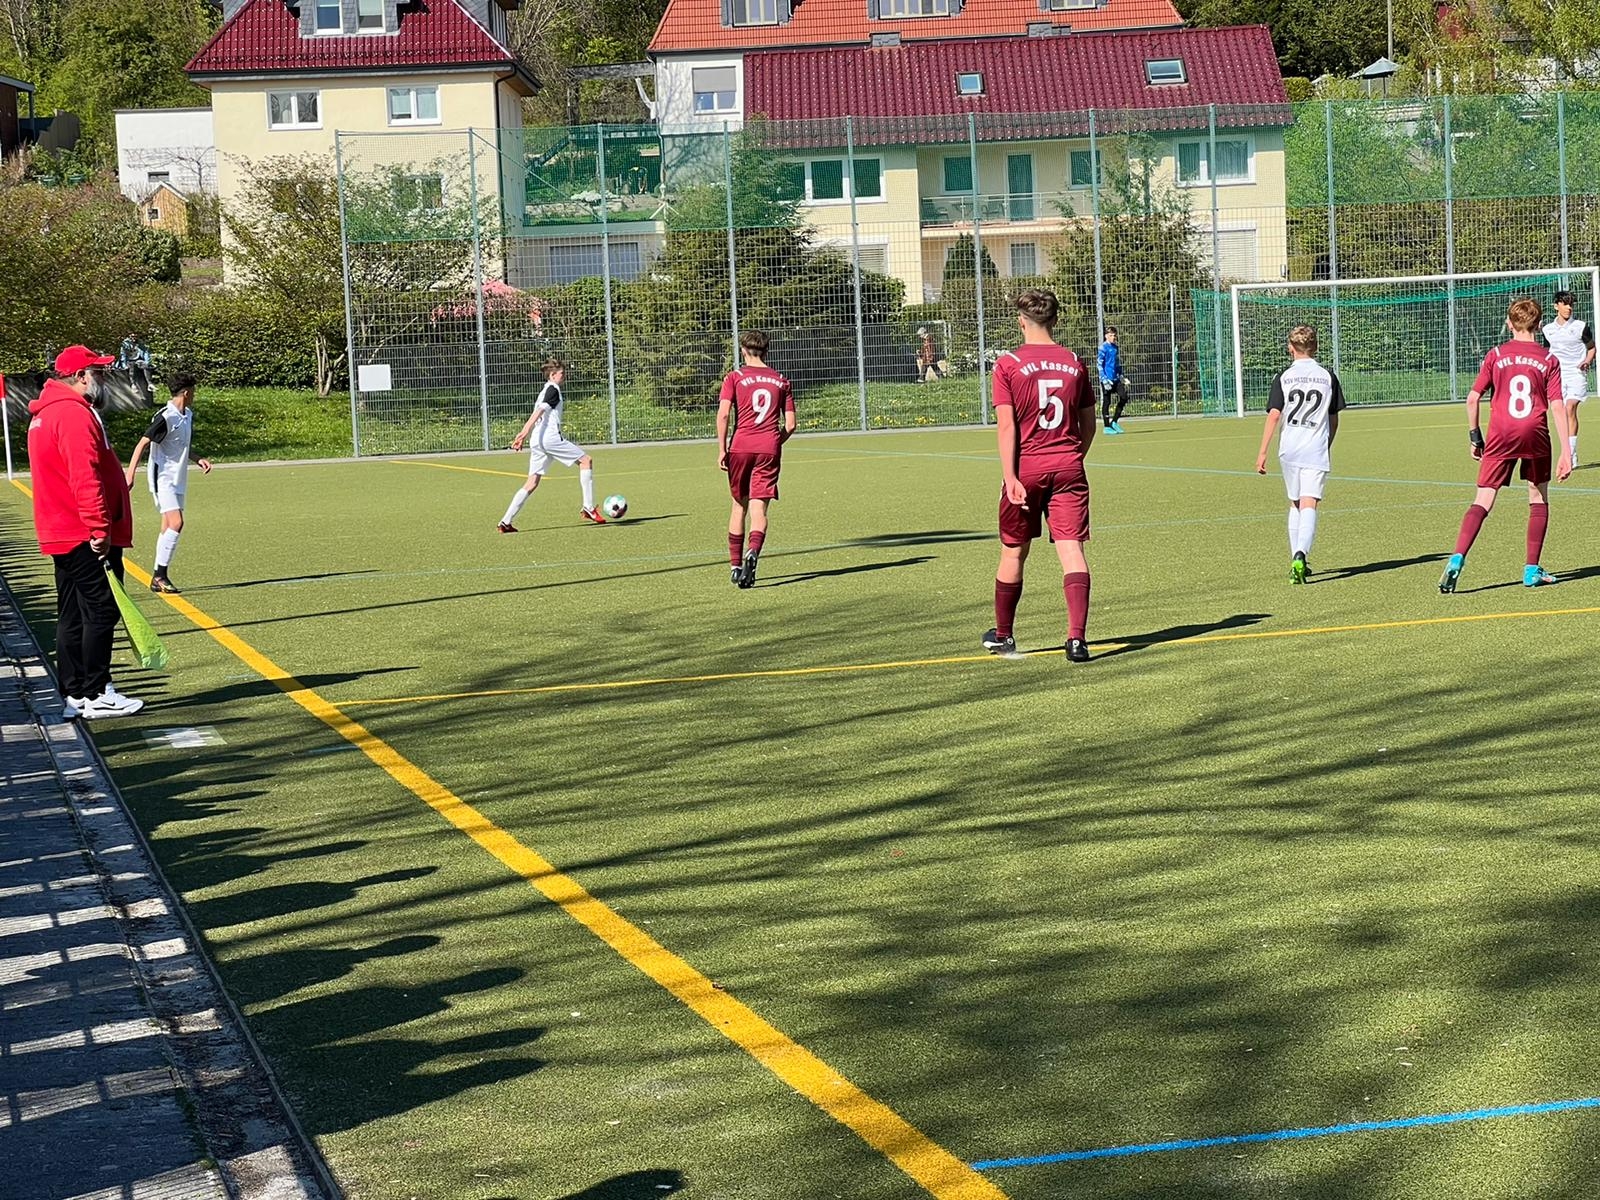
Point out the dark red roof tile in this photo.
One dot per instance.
(908, 94)
(264, 37)
(697, 24)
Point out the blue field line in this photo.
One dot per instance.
(1287, 1135)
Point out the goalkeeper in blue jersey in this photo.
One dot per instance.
(1113, 382)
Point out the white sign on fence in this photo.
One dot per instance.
(374, 377)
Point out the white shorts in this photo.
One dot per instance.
(1574, 386)
(1303, 481)
(564, 452)
(167, 498)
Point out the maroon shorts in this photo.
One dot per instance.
(753, 476)
(1061, 495)
(1496, 472)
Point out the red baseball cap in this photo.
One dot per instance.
(76, 358)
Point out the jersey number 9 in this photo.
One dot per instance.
(761, 401)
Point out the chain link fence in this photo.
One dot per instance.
(882, 256)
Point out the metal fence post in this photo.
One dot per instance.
(855, 264)
(1172, 339)
(1094, 204)
(1216, 244)
(1333, 239)
(477, 280)
(605, 275)
(349, 307)
(733, 273)
(1450, 241)
(977, 269)
(1561, 172)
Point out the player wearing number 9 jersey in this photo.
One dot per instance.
(1307, 398)
(1523, 381)
(1045, 414)
(760, 403)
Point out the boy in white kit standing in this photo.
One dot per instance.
(1307, 399)
(1572, 342)
(170, 440)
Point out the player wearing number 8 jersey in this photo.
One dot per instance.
(760, 403)
(1045, 414)
(1523, 381)
(1307, 398)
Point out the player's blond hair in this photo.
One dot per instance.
(1524, 315)
(551, 366)
(1304, 339)
(1040, 306)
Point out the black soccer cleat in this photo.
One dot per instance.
(747, 577)
(160, 584)
(736, 577)
(994, 643)
(1077, 650)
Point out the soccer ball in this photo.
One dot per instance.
(615, 506)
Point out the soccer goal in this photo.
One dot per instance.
(1414, 339)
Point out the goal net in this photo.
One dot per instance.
(1404, 340)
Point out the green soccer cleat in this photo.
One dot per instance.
(1299, 569)
(1452, 572)
(1533, 575)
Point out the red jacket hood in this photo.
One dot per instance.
(54, 392)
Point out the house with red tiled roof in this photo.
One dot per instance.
(975, 113)
(286, 76)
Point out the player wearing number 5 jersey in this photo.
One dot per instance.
(760, 404)
(1307, 398)
(1523, 381)
(1045, 414)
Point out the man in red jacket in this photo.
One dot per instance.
(84, 520)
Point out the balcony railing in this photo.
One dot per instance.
(1005, 209)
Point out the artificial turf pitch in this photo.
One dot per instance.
(1215, 882)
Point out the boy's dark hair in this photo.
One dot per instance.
(183, 381)
(1110, 329)
(756, 341)
(552, 365)
(1565, 297)
(1040, 306)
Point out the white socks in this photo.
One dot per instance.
(1308, 531)
(1294, 529)
(586, 479)
(517, 502)
(165, 545)
(1572, 444)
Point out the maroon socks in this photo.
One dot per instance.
(1538, 523)
(736, 549)
(1076, 587)
(1472, 522)
(1006, 598)
(757, 538)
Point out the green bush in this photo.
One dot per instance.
(236, 339)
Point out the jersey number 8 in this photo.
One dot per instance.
(1521, 401)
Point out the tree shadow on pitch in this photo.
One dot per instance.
(858, 569)
(250, 583)
(1375, 568)
(924, 537)
(1180, 633)
(635, 1185)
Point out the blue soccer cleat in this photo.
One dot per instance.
(1452, 572)
(1533, 575)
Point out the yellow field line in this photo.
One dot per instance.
(850, 668)
(935, 1169)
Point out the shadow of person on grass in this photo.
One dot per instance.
(1179, 633)
(925, 537)
(258, 904)
(635, 1185)
(1375, 568)
(858, 569)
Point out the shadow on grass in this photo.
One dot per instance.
(1375, 568)
(858, 569)
(250, 583)
(1179, 633)
(635, 1185)
(926, 537)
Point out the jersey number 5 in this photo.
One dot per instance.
(761, 401)
(1051, 410)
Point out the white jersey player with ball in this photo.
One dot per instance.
(1571, 344)
(170, 440)
(542, 434)
(1307, 399)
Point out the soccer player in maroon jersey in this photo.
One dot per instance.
(761, 403)
(1044, 409)
(1523, 380)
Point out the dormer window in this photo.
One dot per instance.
(1067, 5)
(369, 16)
(895, 10)
(1159, 71)
(329, 19)
(969, 83)
(754, 12)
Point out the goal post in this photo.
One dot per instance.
(1403, 339)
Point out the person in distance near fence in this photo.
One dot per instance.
(1044, 415)
(1572, 342)
(170, 440)
(1113, 381)
(760, 403)
(1307, 399)
(543, 426)
(1523, 381)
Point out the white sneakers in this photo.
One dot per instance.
(109, 703)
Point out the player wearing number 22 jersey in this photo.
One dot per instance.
(1523, 382)
(760, 404)
(1307, 399)
(1045, 414)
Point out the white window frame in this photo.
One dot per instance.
(1203, 245)
(869, 245)
(413, 119)
(765, 5)
(732, 94)
(1204, 179)
(380, 27)
(896, 10)
(156, 177)
(1011, 258)
(415, 177)
(961, 85)
(847, 175)
(1070, 5)
(1151, 80)
(297, 123)
(317, 7)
